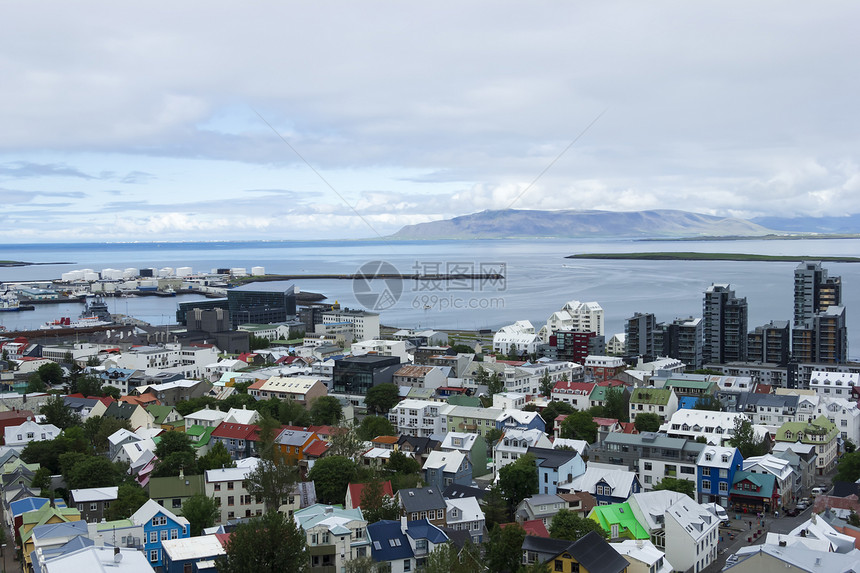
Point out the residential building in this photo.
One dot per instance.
(606, 485)
(292, 444)
(470, 419)
(364, 325)
(652, 456)
(173, 491)
(195, 554)
(754, 492)
(820, 433)
(643, 556)
(518, 338)
(758, 558)
(660, 401)
(574, 393)
(575, 346)
(814, 291)
(725, 325)
(423, 503)
(556, 468)
(617, 344)
(801, 458)
(21, 435)
(640, 335)
(514, 444)
(823, 339)
(473, 445)
(541, 507)
(782, 472)
(301, 389)
(833, 384)
(159, 524)
(770, 343)
(208, 418)
(420, 376)
(465, 514)
(227, 486)
(334, 536)
(683, 339)
(444, 468)
(355, 375)
(239, 439)
(93, 502)
(419, 417)
(716, 427)
(599, 368)
(355, 490)
(588, 554)
(404, 545)
(94, 558)
(575, 316)
(716, 473)
(692, 535)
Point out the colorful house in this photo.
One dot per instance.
(715, 473)
(820, 433)
(618, 520)
(754, 492)
(159, 524)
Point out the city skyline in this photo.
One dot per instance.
(294, 121)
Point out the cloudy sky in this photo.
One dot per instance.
(297, 120)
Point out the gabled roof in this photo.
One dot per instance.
(622, 515)
(150, 509)
(765, 482)
(423, 529)
(317, 448)
(91, 494)
(620, 481)
(356, 489)
(22, 506)
(421, 499)
(447, 461)
(551, 458)
(595, 555)
(388, 542)
(236, 431)
(651, 396)
(458, 491)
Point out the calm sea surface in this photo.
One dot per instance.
(538, 279)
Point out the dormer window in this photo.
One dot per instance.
(708, 457)
(725, 458)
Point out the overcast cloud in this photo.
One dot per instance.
(124, 121)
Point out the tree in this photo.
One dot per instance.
(615, 406)
(546, 385)
(495, 385)
(258, 343)
(83, 471)
(579, 426)
(568, 525)
(446, 558)
(111, 391)
(376, 505)
(345, 442)
(326, 411)
(176, 462)
(680, 485)
(292, 413)
(185, 407)
(130, 497)
(271, 543)
(850, 446)
(200, 511)
(89, 385)
(331, 476)
(848, 468)
(107, 427)
(171, 442)
(555, 409)
(853, 519)
(35, 383)
(381, 398)
(51, 373)
(745, 440)
(216, 457)
(647, 422)
(504, 548)
(272, 481)
(365, 565)
(373, 426)
(93, 361)
(463, 349)
(56, 412)
(399, 462)
(708, 402)
(42, 482)
(519, 480)
(481, 376)
(496, 510)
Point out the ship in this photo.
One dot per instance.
(9, 303)
(96, 308)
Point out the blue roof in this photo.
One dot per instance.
(32, 503)
(423, 529)
(78, 542)
(64, 529)
(387, 542)
(687, 402)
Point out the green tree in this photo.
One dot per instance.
(51, 373)
(381, 398)
(185, 407)
(331, 476)
(107, 427)
(345, 442)
(83, 471)
(268, 429)
(172, 442)
(258, 343)
(35, 383)
(111, 391)
(56, 412)
(200, 511)
(555, 409)
(850, 446)
(496, 509)
(376, 505)
(647, 422)
(463, 349)
(365, 564)
(176, 462)
(42, 482)
(708, 402)
(130, 497)
(326, 411)
(848, 468)
(93, 361)
(546, 385)
(495, 385)
(482, 378)
(579, 426)
(745, 440)
(568, 525)
(615, 406)
(216, 457)
(680, 485)
(519, 480)
(373, 426)
(446, 558)
(292, 413)
(503, 551)
(272, 481)
(272, 543)
(853, 519)
(89, 385)
(399, 462)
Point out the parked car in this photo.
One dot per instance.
(801, 506)
(816, 491)
(793, 512)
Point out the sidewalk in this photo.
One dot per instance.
(747, 531)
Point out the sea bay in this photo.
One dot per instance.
(538, 278)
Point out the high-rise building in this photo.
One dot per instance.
(640, 330)
(575, 346)
(682, 339)
(823, 339)
(814, 291)
(770, 343)
(725, 325)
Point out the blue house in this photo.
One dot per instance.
(159, 524)
(444, 468)
(607, 485)
(556, 467)
(404, 545)
(715, 473)
(520, 420)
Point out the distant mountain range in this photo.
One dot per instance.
(518, 223)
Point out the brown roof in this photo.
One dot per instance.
(823, 502)
(586, 499)
(385, 439)
(413, 371)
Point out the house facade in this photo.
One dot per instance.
(716, 468)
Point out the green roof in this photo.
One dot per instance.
(168, 487)
(160, 413)
(651, 396)
(598, 393)
(119, 523)
(204, 438)
(766, 483)
(789, 431)
(461, 400)
(621, 514)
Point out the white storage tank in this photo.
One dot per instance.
(129, 273)
(91, 276)
(238, 272)
(258, 271)
(111, 274)
(71, 276)
(183, 271)
(165, 272)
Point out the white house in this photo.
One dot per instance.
(419, 417)
(575, 315)
(716, 427)
(227, 486)
(28, 432)
(208, 418)
(519, 336)
(833, 384)
(692, 534)
(381, 348)
(514, 444)
(464, 514)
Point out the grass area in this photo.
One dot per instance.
(690, 256)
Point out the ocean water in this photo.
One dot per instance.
(538, 277)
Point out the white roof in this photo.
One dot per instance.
(693, 517)
(468, 506)
(134, 450)
(193, 547)
(806, 559)
(99, 558)
(468, 440)
(716, 454)
(247, 463)
(521, 416)
(212, 415)
(242, 416)
(121, 435)
(94, 494)
(446, 461)
(795, 447)
(578, 445)
(643, 551)
(150, 509)
(653, 505)
(228, 474)
(620, 481)
(533, 437)
(771, 464)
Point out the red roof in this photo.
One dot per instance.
(317, 448)
(321, 430)
(605, 421)
(612, 382)
(355, 490)
(762, 388)
(237, 431)
(510, 362)
(16, 415)
(563, 385)
(223, 538)
(629, 428)
(535, 527)
(245, 356)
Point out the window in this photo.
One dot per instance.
(174, 534)
(407, 565)
(559, 565)
(724, 474)
(706, 472)
(94, 506)
(159, 520)
(164, 534)
(724, 487)
(153, 537)
(647, 466)
(153, 556)
(217, 487)
(230, 500)
(706, 484)
(176, 502)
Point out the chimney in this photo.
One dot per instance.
(403, 523)
(181, 474)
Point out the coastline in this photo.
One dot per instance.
(694, 256)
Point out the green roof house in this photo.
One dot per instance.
(820, 432)
(660, 401)
(618, 520)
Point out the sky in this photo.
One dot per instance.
(288, 120)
